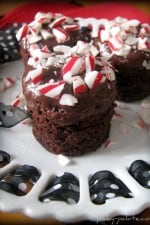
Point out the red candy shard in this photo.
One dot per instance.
(22, 32)
(52, 89)
(79, 85)
(99, 79)
(90, 63)
(58, 22)
(37, 79)
(71, 27)
(60, 34)
(45, 49)
(75, 65)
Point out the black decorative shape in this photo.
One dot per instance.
(104, 185)
(4, 158)
(27, 172)
(9, 46)
(140, 170)
(62, 188)
(11, 116)
(20, 181)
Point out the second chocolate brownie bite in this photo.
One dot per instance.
(125, 43)
(127, 46)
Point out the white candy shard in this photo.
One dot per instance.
(63, 160)
(67, 99)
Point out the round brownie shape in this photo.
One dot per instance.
(128, 49)
(126, 45)
(70, 99)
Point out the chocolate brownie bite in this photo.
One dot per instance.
(70, 95)
(126, 45)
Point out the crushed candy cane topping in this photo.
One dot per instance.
(80, 65)
(118, 36)
(83, 72)
(57, 25)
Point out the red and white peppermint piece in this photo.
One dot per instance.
(35, 75)
(43, 17)
(90, 63)
(94, 79)
(58, 21)
(114, 43)
(22, 32)
(78, 85)
(43, 20)
(68, 78)
(75, 65)
(5, 83)
(52, 90)
(109, 73)
(71, 27)
(145, 30)
(19, 101)
(45, 49)
(60, 34)
(34, 27)
(143, 43)
(16, 102)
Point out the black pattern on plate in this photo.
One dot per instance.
(140, 170)
(9, 46)
(62, 188)
(104, 185)
(20, 181)
(4, 158)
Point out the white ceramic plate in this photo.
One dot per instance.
(129, 142)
